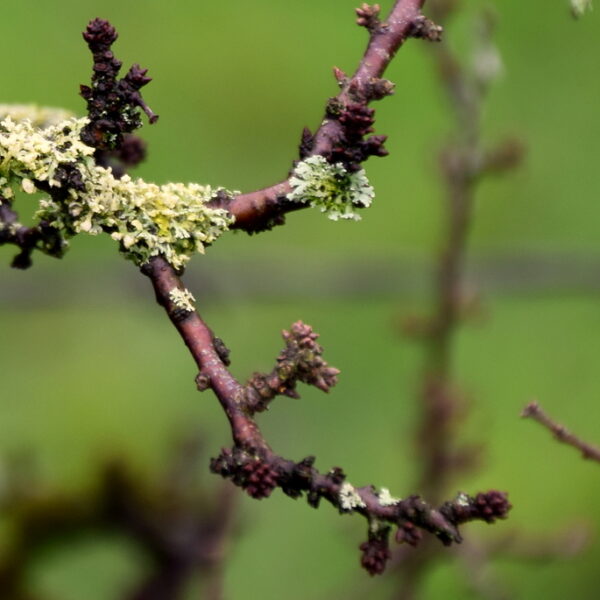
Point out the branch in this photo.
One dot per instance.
(464, 162)
(534, 411)
(252, 464)
(347, 117)
(340, 145)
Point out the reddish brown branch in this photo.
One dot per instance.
(300, 360)
(255, 211)
(252, 464)
(534, 411)
(464, 162)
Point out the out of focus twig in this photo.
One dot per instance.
(464, 162)
(534, 411)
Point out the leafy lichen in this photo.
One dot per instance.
(172, 220)
(331, 188)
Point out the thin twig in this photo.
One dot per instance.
(464, 162)
(534, 411)
(253, 465)
(258, 209)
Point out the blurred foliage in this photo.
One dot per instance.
(234, 83)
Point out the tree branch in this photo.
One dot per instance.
(464, 161)
(261, 209)
(252, 464)
(534, 411)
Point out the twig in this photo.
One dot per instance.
(264, 208)
(534, 411)
(253, 465)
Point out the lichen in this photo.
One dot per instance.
(350, 498)
(171, 220)
(386, 499)
(38, 116)
(331, 188)
(462, 499)
(580, 7)
(10, 228)
(377, 525)
(182, 299)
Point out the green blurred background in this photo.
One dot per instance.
(91, 368)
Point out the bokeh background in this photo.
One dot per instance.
(91, 369)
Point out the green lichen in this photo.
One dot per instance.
(331, 188)
(147, 220)
(580, 7)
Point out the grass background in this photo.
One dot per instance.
(91, 368)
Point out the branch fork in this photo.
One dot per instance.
(344, 137)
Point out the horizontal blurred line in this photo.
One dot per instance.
(279, 279)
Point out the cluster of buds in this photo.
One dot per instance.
(113, 104)
(426, 29)
(376, 551)
(357, 119)
(488, 507)
(300, 360)
(368, 16)
(246, 470)
(408, 533)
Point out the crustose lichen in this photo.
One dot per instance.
(182, 299)
(147, 220)
(349, 498)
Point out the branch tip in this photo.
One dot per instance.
(368, 17)
(534, 411)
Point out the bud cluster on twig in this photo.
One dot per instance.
(159, 227)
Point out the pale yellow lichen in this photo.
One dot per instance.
(147, 220)
(386, 499)
(462, 499)
(38, 116)
(350, 498)
(182, 299)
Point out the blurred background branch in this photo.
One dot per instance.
(464, 162)
(534, 411)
